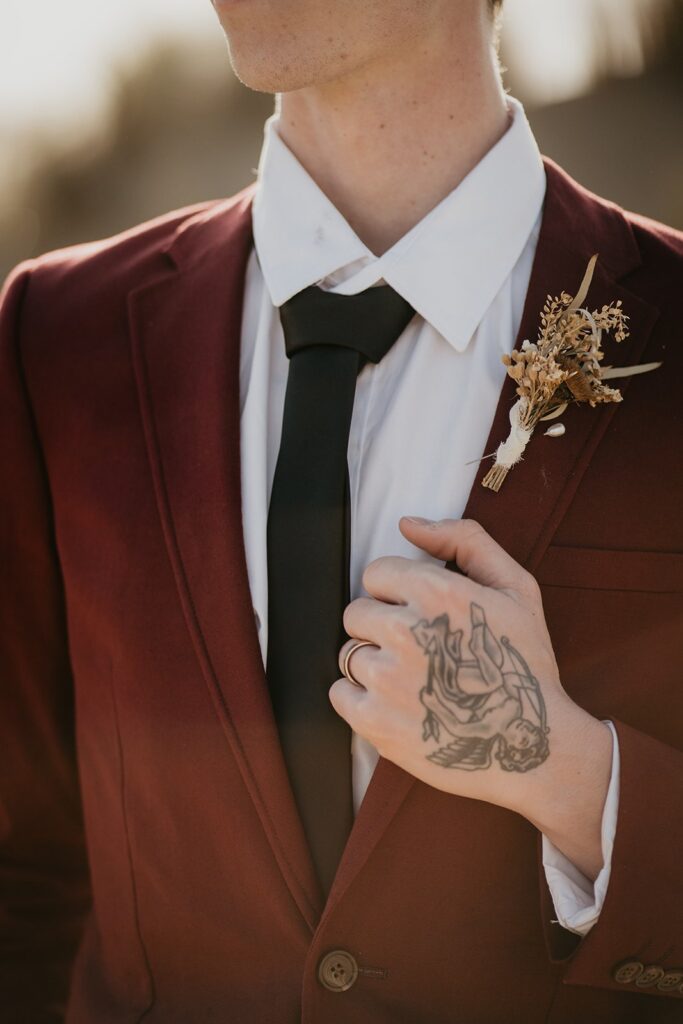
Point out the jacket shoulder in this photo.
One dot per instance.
(660, 244)
(590, 216)
(115, 265)
(86, 286)
(657, 280)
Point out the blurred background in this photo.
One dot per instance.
(112, 113)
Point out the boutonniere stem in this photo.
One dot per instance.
(560, 367)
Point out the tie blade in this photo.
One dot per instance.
(328, 337)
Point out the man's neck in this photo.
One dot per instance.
(391, 140)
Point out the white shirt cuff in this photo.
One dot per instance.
(577, 900)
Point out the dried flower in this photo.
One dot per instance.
(561, 366)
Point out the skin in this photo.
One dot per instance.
(370, 89)
(389, 104)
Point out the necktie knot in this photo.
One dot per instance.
(369, 322)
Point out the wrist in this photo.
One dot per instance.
(566, 800)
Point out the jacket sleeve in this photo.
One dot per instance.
(44, 889)
(637, 943)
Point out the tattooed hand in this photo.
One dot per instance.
(462, 689)
(488, 711)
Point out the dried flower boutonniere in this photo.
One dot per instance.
(562, 366)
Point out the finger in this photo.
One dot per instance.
(361, 662)
(392, 578)
(347, 700)
(369, 619)
(475, 551)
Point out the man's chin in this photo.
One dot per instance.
(260, 77)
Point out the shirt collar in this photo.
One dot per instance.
(449, 267)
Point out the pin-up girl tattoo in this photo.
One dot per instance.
(490, 704)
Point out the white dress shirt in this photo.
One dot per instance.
(422, 415)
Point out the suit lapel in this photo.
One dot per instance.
(523, 516)
(525, 513)
(185, 331)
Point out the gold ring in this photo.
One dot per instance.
(347, 658)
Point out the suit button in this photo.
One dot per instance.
(337, 971)
(670, 981)
(650, 976)
(628, 972)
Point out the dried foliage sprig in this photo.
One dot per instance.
(561, 366)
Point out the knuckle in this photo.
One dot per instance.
(399, 629)
(371, 669)
(350, 617)
(530, 585)
(371, 572)
(373, 720)
(437, 582)
(473, 527)
(336, 695)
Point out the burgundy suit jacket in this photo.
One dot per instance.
(152, 864)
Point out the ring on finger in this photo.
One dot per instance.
(346, 668)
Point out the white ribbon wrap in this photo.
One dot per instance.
(510, 451)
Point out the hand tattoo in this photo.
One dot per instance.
(491, 704)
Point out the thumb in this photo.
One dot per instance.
(466, 543)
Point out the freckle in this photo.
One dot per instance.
(425, 153)
(451, 117)
(381, 126)
(330, 39)
(343, 56)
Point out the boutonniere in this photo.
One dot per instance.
(562, 366)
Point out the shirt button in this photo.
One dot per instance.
(650, 976)
(337, 971)
(670, 981)
(257, 620)
(628, 972)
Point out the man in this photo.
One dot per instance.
(232, 434)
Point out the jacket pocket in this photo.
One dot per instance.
(604, 569)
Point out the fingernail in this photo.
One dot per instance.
(420, 521)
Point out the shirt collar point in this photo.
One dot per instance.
(456, 334)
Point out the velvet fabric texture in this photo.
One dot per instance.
(152, 864)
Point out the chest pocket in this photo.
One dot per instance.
(616, 622)
(599, 569)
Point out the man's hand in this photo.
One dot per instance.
(462, 689)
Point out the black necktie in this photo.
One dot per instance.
(328, 338)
